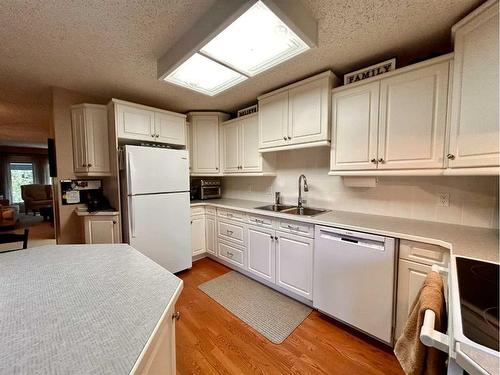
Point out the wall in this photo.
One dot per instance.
(68, 225)
(473, 200)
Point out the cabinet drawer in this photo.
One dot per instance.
(231, 231)
(210, 210)
(198, 210)
(261, 221)
(231, 254)
(233, 215)
(296, 227)
(423, 253)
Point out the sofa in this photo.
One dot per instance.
(36, 196)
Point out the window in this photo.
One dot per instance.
(20, 174)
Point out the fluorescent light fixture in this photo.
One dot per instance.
(256, 41)
(204, 75)
(235, 40)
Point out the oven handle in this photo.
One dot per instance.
(428, 335)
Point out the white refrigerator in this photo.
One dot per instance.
(155, 204)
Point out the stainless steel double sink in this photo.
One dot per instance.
(292, 210)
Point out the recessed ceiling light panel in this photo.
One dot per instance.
(201, 74)
(254, 42)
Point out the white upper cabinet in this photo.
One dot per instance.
(412, 118)
(89, 125)
(142, 123)
(297, 115)
(170, 128)
(273, 120)
(354, 128)
(309, 112)
(240, 138)
(474, 133)
(205, 145)
(393, 122)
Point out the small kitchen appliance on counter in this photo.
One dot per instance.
(206, 188)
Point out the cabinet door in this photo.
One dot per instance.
(250, 159)
(411, 276)
(134, 123)
(413, 118)
(97, 145)
(210, 235)
(273, 120)
(231, 147)
(308, 107)
(294, 263)
(79, 140)
(102, 229)
(261, 253)
(205, 137)
(170, 128)
(198, 234)
(474, 138)
(355, 127)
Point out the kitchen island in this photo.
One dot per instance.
(81, 309)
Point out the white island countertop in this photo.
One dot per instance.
(481, 243)
(79, 309)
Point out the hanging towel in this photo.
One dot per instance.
(416, 358)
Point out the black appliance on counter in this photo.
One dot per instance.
(205, 188)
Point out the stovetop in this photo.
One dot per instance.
(479, 297)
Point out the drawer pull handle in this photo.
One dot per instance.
(293, 228)
(229, 254)
(176, 315)
(229, 215)
(230, 232)
(260, 221)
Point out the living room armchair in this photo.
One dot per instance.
(36, 196)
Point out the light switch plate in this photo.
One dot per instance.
(444, 199)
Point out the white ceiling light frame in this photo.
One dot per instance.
(289, 30)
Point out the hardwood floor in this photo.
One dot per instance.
(210, 340)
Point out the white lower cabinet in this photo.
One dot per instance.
(198, 234)
(294, 263)
(101, 229)
(261, 253)
(210, 235)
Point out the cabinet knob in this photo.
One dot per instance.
(272, 238)
(289, 138)
(176, 315)
(284, 138)
(152, 135)
(89, 165)
(114, 221)
(381, 160)
(450, 156)
(83, 165)
(216, 168)
(157, 135)
(374, 161)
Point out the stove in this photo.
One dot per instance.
(479, 297)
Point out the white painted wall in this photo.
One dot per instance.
(473, 200)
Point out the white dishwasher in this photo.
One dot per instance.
(354, 279)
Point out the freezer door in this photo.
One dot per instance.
(156, 170)
(159, 227)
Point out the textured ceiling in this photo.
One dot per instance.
(109, 48)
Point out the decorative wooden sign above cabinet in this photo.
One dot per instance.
(296, 116)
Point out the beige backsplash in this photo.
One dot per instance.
(473, 200)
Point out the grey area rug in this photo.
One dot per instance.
(270, 313)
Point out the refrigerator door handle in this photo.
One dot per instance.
(130, 168)
(132, 216)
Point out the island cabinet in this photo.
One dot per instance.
(474, 132)
(142, 123)
(395, 122)
(89, 127)
(205, 142)
(296, 116)
(240, 148)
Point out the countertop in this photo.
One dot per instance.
(475, 242)
(84, 212)
(79, 309)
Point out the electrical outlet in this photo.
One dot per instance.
(444, 199)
